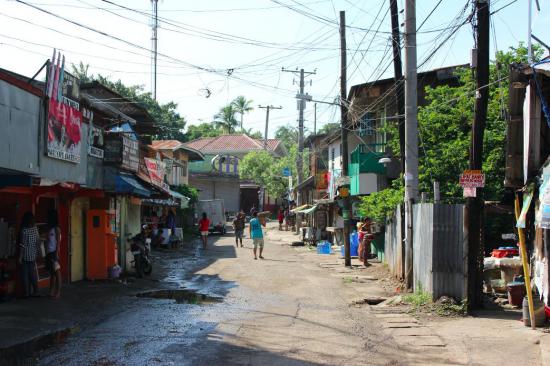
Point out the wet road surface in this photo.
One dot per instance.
(284, 310)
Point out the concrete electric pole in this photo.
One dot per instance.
(398, 75)
(302, 98)
(475, 205)
(411, 134)
(267, 108)
(154, 39)
(344, 192)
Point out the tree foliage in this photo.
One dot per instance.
(444, 124)
(264, 169)
(170, 123)
(225, 119)
(288, 135)
(242, 106)
(203, 130)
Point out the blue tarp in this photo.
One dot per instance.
(126, 183)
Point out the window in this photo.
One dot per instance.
(184, 168)
(367, 125)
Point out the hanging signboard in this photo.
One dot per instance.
(156, 170)
(122, 150)
(527, 198)
(64, 140)
(169, 164)
(472, 179)
(95, 142)
(64, 118)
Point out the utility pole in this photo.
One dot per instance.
(529, 31)
(154, 38)
(302, 98)
(267, 108)
(473, 215)
(398, 76)
(411, 134)
(346, 211)
(315, 119)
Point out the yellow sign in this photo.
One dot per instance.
(343, 191)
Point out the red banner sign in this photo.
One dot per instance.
(472, 179)
(64, 140)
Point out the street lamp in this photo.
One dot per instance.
(384, 161)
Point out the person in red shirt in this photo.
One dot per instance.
(281, 218)
(204, 225)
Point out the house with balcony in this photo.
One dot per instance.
(373, 106)
(177, 157)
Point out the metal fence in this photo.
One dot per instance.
(394, 246)
(438, 250)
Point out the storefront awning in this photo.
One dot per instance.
(305, 209)
(176, 200)
(126, 183)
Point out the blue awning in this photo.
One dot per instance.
(126, 183)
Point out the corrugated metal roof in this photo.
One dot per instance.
(231, 143)
(193, 154)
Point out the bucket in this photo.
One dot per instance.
(540, 314)
(516, 292)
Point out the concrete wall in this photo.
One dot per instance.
(22, 138)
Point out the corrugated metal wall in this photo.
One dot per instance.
(438, 249)
(394, 250)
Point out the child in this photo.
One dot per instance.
(204, 225)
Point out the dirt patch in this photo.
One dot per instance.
(182, 296)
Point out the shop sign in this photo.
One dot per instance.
(122, 150)
(64, 123)
(472, 179)
(156, 170)
(95, 142)
(64, 118)
(322, 180)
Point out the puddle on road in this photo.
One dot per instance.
(182, 296)
(25, 353)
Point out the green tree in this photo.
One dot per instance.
(225, 119)
(266, 170)
(288, 135)
(242, 106)
(203, 130)
(169, 122)
(255, 135)
(329, 128)
(444, 124)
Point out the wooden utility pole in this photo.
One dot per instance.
(473, 215)
(346, 212)
(267, 108)
(398, 75)
(411, 134)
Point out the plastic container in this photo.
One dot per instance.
(540, 312)
(354, 248)
(324, 247)
(516, 293)
(505, 252)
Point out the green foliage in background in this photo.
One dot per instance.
(379, 205)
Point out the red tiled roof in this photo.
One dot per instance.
(231, 143)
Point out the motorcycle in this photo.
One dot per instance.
(140, 249)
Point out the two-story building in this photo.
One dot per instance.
(218, 175)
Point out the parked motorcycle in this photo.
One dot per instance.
(141, 247)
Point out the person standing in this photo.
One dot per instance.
(204, 225)
(238, 226)
(53, 238)
(256, 234)
(28, 252)
(252, 210)
(281, 218)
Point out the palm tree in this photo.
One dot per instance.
(225, 119)
(242, 106)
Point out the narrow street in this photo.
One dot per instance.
(284, 310)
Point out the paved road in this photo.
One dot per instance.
(284, 310)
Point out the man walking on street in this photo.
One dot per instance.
(256, 234)
(238, 226)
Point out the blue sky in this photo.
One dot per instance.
(202, 42)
